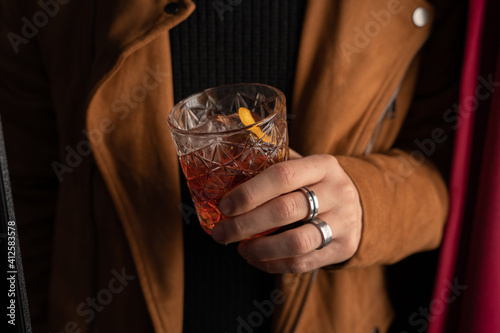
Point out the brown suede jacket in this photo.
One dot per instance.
(85, 90)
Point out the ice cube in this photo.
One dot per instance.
(219, 123)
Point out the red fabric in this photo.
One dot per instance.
(460, 169)
(481, 305)
(477, 309)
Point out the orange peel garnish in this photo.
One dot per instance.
(247, 119)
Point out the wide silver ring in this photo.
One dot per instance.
(313, 203)
(324, 229)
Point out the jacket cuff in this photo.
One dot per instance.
(404, 202)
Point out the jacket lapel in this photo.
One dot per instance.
(133, 148)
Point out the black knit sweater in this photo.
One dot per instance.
(226, 42)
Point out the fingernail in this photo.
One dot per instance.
(218, 234)
(226, 206)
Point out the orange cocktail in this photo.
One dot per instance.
(225, 136)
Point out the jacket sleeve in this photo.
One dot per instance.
(403, 191)
(31, 145)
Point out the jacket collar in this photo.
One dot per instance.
(130, 25)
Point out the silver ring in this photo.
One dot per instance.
(325, 230)
(313, 203)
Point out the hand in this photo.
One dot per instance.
(271, 200)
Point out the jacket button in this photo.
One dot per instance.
(172, 8)
(420, 17)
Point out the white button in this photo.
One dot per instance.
(420, 17)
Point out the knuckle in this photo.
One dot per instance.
(350, 246)
(286, 209)
(300, 243)
(245, 196)
(350, 219)
(285, 174)
(330, 160)
(350, 192)
(333, 160)
(353, 211)
(237, 226)
(298, 266)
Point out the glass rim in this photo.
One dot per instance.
(280, 97)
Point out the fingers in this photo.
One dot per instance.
(255, 250)
(278, 212)
(271, 200)
(279, 179)
(292, 243)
